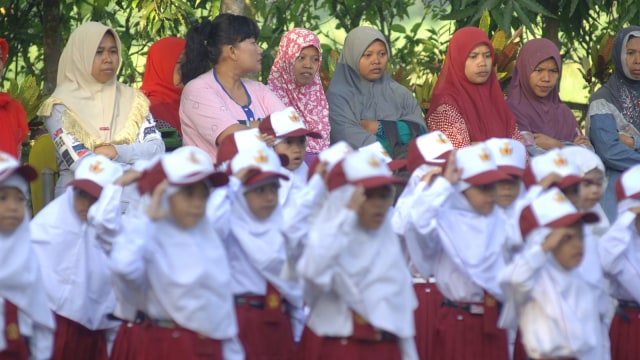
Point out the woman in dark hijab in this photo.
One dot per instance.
(613, 121)
(535, 101)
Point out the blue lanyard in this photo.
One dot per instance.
(247, 110)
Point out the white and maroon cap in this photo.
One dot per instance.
(331, 155)
(552, 209)
(553, 161)
(478, 165)
(286, 123)
(628, 185)
(262, 157)
(432, 149)
(188, 165)
(510, 155)
(361, 168)
(94, 172)
(377, 149)
(10, 165)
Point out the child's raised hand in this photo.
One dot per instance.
(635, 210)
(452, 172)
(270, 140)
(129, 177)
(549, 180)
(430, 175)
(155, 210)
(245, 173)
(321, 169)
(357, 198)
(556, 236)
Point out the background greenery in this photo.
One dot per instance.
(418, 33)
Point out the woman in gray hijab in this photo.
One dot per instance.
(365, 104)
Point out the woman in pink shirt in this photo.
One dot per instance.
(216, 100)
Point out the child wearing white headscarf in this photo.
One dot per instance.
(555, 307)
(25, 312)
(619, 250)
(358, 290)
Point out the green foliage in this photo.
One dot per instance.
(28, 94)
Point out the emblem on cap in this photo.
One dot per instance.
(559, 197)
(559, 160)
(261, 158)
(373, 162)
(484, 156)
(193, 158)
(294, 117)
(442, 140)
(3, 158)
(506, 149)
(96, 168)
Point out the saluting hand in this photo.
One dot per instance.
(357, 198)
(452, 172)
(245, 173)
(129, 177)
(155, 210)
(555, 238)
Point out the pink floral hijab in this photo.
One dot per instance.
(309, 100)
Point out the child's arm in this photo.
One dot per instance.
(615, 256)
(105, 216)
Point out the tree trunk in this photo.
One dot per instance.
(52, 40)
(550, 29)
(237, 7)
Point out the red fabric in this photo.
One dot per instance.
(160, 343)
(128, 342)
(74, 341)
(429, 302)
(263, 336)
(16, 346)
(625, 336)
(314, 347)
(5, 50)
(13, 125)
(482, 106)
(462, 336)
(157, 83)
(519, 353)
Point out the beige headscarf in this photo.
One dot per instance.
(90, 104)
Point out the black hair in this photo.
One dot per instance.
(206, 39)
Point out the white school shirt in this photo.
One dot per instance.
(74, 265)
(619, 251)
(171, 273)
(557, 309)
(356, 270)
(511, 216)
(463, 249)
(290, 188)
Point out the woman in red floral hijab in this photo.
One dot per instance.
(13, 119)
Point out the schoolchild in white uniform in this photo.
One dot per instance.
(174, 268)
(553, 168)
(250, 221)
(24, 310)
(619, 251)
(356, 284)
(457, 232)
(426, 159)
(555, 307)
(66, 236)
(290, 133)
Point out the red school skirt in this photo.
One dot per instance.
(625, 331)
(16, 346)
(469, 331)
(74, 341)
(128, 341)
(264, 327)
(429, 302)
(166, 340)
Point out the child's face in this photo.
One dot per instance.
(82, 201)
(482, 198)
(591, 189)
(189, 204)
(294, 148)
(507, 192)
(263, 200)
(106, 60)
(570, 250)
(373, 211)
(306, 65)
(12, 208)
(572, 192)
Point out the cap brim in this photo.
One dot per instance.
(397, 164)
(215, 179)
(263, 175)
(487, 177)
(28, 172)
(151, 178)
(511, 170)
(92, 188)
(570, 219)
(377, 181)
(302, 132)
(568, 181)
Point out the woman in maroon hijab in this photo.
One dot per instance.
(162, 83)
(534, 100)
(467, 103)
